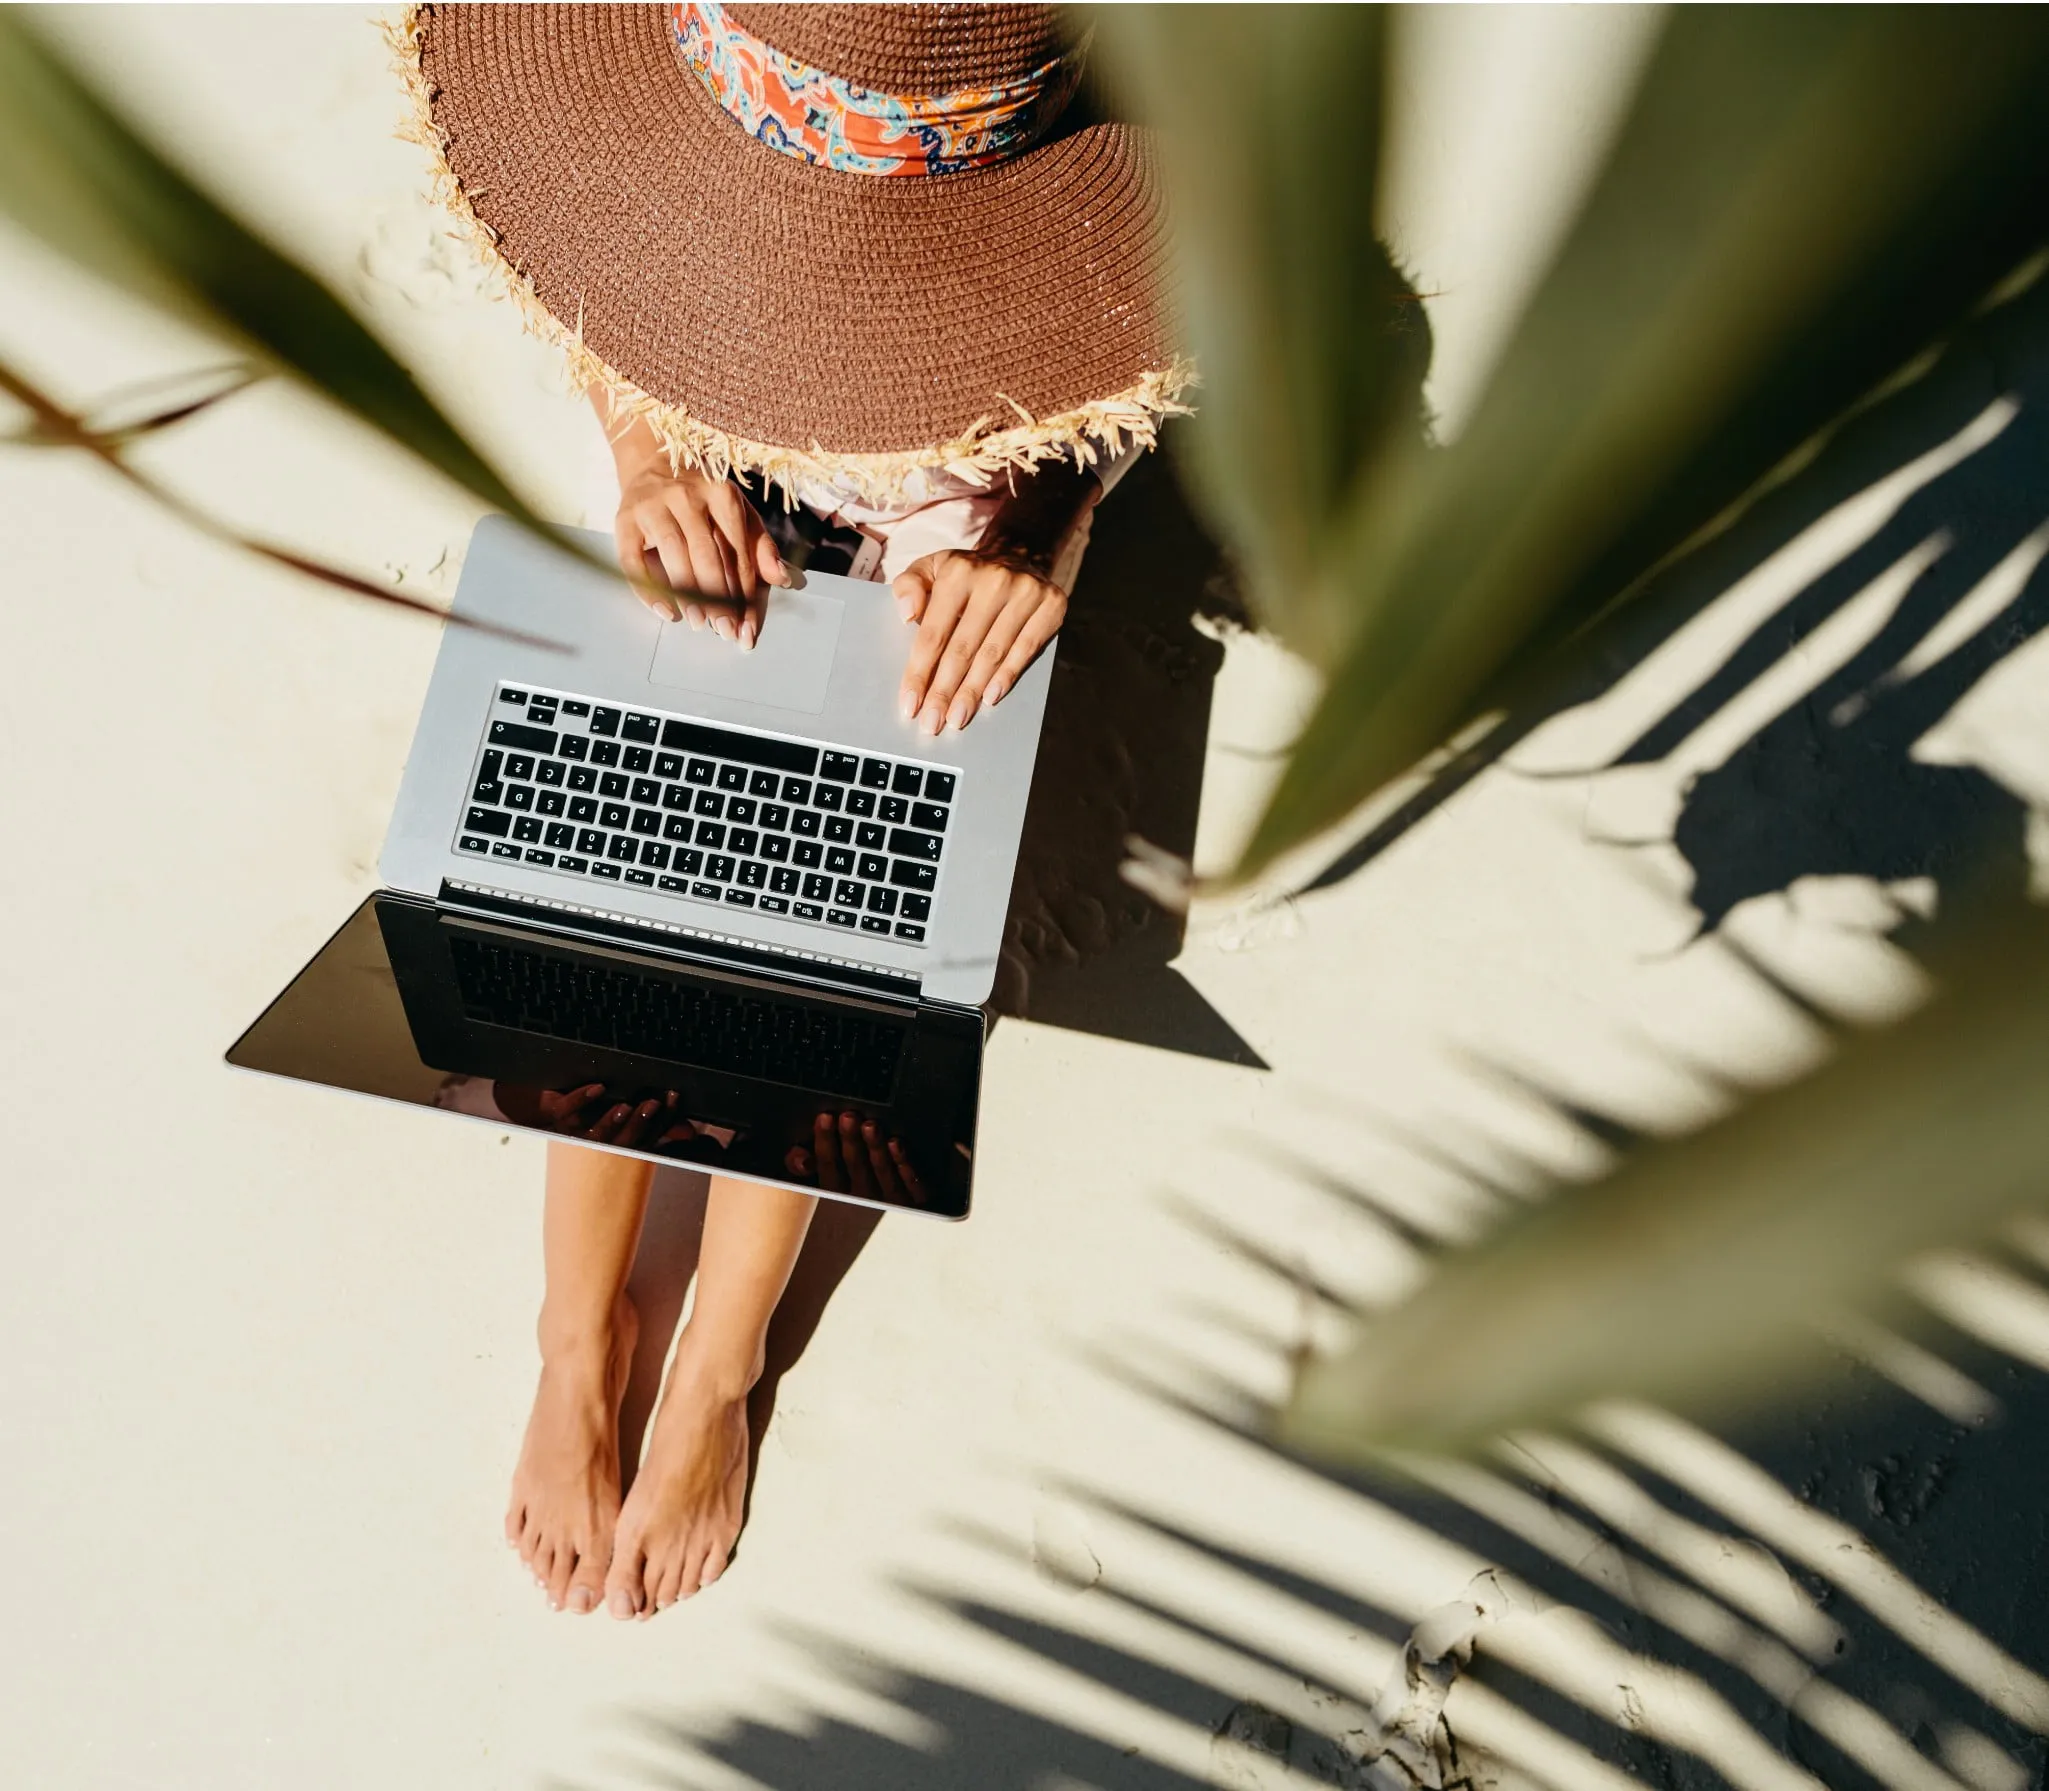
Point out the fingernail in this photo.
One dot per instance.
(747, 637)
(722, 626)
(906, 703)
(904, 607)
(961, 712)
(997, 691)
(930, 721)
(619, 1604)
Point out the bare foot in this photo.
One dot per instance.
(683, 1515)
(565, 1491)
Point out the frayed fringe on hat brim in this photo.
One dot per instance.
(981, 454)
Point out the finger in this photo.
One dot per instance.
(992, 593)
(707, 573)
(769, 558)
(995, 649)
(737, 521)
(946, 598)
(608, 1123)
(1031, 639)
(913, 1184)
(825, 1146)
(635, 1127)
(664, 539)
(855, 1158)
(880, 1164)
(913, 585)
(799, 1162)
(632, 546)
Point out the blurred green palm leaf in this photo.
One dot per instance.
(75, 175)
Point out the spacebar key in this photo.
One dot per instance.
(749, 749)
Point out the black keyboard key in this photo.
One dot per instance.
(574, 746)
(732, 777)
(488, 771)
(612, 814)
(741, 809)
(839, 917)
(513, 696)
(906, 875)
(513, 733)
(645, 789)
(674, 885)
(882, 901)
(840, 767)
(719, 867)
(605, 721)
(560, 834)
(604, 752)
(642, 727)
(543, 714)
(534, 855)
(874, 774)
(689, 863)
(582, 777)
(676, 796)
(488, 820)
(762, 783)
(576, 708)
(809, 853)
(860, 802)
(753, 873)
(939, 786)
(676, 827)
(550, 771)
(519, 796)
(749, 749)
(470, 843)
(645, 878)
(906, 844)
(526, 829)
(578, 865)
(700, 771)
(541, 700)
(774, 814)
(904, 930)
(775, 847)
(711, 834)
(655, 853)
(930, 816)
(805, 823)
(916, 907)
(706, 892)
(795, 789)
(783, 880)
(591, 840)
(839, 860)
(550, 802)
(647, 821)
(613, 784)
(623, 847)
(601, 869)
(847, 893)
(709, 802)
(895, 810)
(740, 898)
(907, 780)
(817, 888)
(637, 758)
(582, 808)
(519, 765)
(668, 764)
(838, 827)
(869, 835)
(492, 791)
(873, 866)
(826, 796)
(742, 841)
(874, 923)
(773, 905)
(808, 911)
(504, 849)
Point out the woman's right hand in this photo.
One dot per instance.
(701, 538)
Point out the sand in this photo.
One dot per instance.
(270, 1349)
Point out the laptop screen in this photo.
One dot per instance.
(531, 1030)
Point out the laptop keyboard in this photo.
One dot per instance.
(709, 815)
(846, 1054)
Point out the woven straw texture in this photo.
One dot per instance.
(764, 314)
(924, 49)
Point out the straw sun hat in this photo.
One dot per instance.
(842, 243)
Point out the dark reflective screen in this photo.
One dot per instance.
(862, 1099)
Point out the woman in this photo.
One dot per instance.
(863, 285)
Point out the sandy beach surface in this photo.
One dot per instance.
(269, 1349)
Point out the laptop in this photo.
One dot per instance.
(734, 895)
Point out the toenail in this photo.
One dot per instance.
(620, 1604)
(581, 1600)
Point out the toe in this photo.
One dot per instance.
(668, 1586)
(623, 1581)
(560, 1566)
(587, 1583)
(714, 1565)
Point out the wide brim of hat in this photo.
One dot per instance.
(763, 313)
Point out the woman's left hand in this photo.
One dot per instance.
(981, 622)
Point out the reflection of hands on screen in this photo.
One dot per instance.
(850, 1155)
(591, 1113)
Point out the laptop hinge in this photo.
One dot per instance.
(695, 944)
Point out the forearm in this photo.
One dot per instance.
(633, 444)
(1042, 508)
(752, 1235)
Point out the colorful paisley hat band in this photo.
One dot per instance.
(832, 122)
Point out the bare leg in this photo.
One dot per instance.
(683, 1516)
(565, 1491)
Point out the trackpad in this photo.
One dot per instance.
(789, 668)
